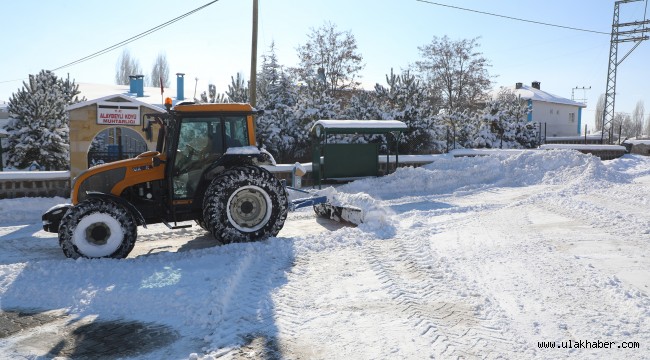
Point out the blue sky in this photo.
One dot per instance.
(214, 44)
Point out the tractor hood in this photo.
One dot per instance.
(113, 178)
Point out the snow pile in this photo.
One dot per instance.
(22, 210)
(453, 174)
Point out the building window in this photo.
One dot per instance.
(551, 111)
(572, 117)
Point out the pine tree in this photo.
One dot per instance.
(405, 99)
(363, 106)
(237, 90)
(277, 129)
(39, 130)
(504, 123)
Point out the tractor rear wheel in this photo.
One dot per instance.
(97, 228)
(245, 203)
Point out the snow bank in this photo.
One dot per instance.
(447, 175)
(26, 210)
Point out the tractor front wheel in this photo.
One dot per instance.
(97, 228)
(244, 204)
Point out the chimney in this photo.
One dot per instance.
(136, 85)
(132, 84)
(536, 85)
(518, 85)
(140, 82)
(180, 86)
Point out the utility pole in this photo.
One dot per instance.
(584, 94)
(621, 32)
(252, 87)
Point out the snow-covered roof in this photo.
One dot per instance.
(638, 141)
(102, 92)
(359, 126)
(341, 124)
(582, 147)
(108, 98)
(530, 93)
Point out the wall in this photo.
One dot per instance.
(17, 184)
(557, 118)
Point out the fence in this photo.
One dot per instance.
(17, 184)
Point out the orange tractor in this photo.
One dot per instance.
(206, 168)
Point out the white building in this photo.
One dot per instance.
(559, 116)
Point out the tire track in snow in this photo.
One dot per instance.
(243, 306)
(602, 211)
(416, 282)
(290, 306)
(541, 284)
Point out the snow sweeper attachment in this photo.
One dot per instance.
(336, 160)
(323, 208)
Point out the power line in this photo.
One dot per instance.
(134, 38)
(514, 18)
(8, 81)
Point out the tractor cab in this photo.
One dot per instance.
(203, 141)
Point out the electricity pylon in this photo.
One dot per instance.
(621, 32)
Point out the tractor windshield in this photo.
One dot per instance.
(202, 141)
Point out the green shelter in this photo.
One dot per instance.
(337, 160)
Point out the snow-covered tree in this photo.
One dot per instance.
(278, 129)
(623, 125)
(363, 105)
(237, 90)
(456, 71)
(211, 96)
(313, 103)
(462, 128)
(39, 129)
(159, 71)
(637, 119)
(406, 99)
(331, 56)
(600, 110)
(126, 66)
(504, 123)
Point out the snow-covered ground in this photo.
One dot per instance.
(474, 257)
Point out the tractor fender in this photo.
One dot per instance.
(228, 161)
(137, 215)
(52, 217)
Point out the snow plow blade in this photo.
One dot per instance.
(347, 214)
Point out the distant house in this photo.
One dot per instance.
(557, 115)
